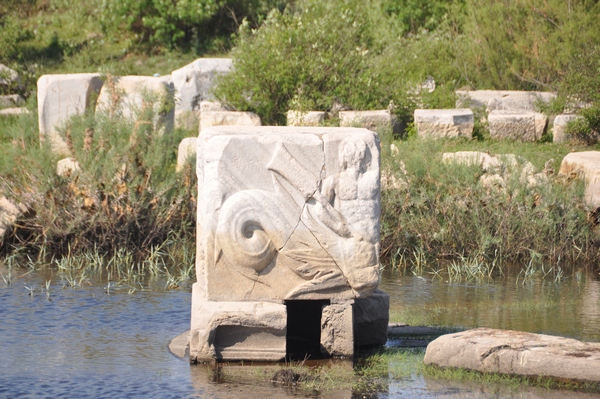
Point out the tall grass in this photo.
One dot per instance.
(125, 199)
(439, 217)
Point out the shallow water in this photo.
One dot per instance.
(86, 342)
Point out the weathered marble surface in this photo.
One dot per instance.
(368, 119)
(59, 98)
(288, 213)
(515, 352)
(228, 118)
(559, 129)
(516, 125)
(193, 84)
(437, 123)
(585, 165)
(186, 149)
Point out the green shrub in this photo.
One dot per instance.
(188, 23)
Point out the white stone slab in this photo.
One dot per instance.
(516, 125)
(517, 353)
(59, 98)
(437, 123)
(305, 118)
(367, 119)
(193, 84)
(559, 130)
(508, 100)
(128, 97)
(186, 149)
(228, 118)
(585, 165)
(236, 330)
(14, 111)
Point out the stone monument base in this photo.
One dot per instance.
(294, 329)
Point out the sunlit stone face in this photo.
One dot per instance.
(287, 213)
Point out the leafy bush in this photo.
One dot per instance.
(181, 22)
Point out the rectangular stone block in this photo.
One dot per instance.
(437, 123)
(371, 319)
(236, 330)
(287, 213)
(307, 118)
(516, 125)
(59, 98)
(368, 119)
(228, 118)
(507, 100)
(559, 130)
(337, 332)
(193, 84)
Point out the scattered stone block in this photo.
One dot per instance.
(559, 130)
(186, 150)
(228, 118)
(308, 118)
(367, 119)
(437, 123)
(585, 165)
(288, 220)
(507, 100)
(517, 353)
(193, 84)
(516, 125)
(128, 97)
(9, 212)
(11, 101)
(59, 98)
(66, 166)
(14, 111)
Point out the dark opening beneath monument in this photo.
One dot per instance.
(304, 329)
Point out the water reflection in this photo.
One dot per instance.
(570, 308)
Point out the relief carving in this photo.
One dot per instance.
(321, 225)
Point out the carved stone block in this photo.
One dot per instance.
(436, 123)
(287, 214)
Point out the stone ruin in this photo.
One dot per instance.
(287, 244)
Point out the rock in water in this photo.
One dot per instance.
(515, 352)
